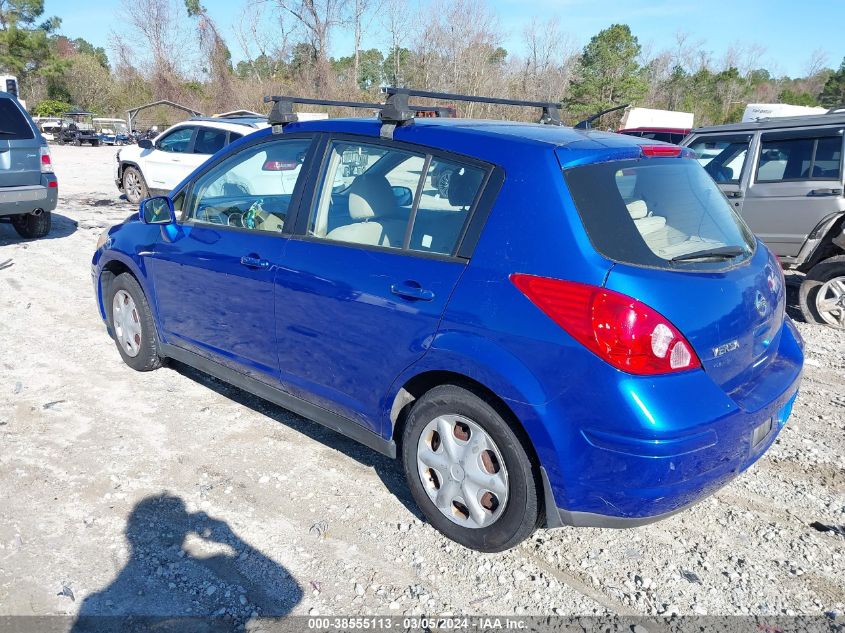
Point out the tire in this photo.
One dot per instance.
(134, 330)
(506, 521)
(31, 226)
(822, 293)
(443, 181)
(77, 142)
(134, 185)
(95, 143)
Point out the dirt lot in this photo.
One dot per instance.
(170, 492)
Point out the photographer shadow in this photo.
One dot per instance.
(187, 572)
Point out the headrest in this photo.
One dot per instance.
(463, 187)
(637, 209)
(371, 197)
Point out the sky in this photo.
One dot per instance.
(789, 31)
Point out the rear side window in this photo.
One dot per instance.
(722, 156)
(791, 159)
(13, 124)
(657, 212)
(209, 141)
(375, 195)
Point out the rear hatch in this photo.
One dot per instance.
(679, 248)
(20, 158)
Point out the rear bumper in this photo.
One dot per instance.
(27, 198)
(665, 444)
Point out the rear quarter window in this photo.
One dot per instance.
(13, 123)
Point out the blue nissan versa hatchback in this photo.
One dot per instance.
(578, 331)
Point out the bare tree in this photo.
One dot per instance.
(395, 22)
(317, 19)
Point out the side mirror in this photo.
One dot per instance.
(145, 143)
(158, 210)
(404, 196)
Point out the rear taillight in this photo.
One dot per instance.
(617, 328)
(46, 163)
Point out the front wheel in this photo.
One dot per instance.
(133, 185)
(132, 324)
(822, 293)
(33, 225)
(468, 471)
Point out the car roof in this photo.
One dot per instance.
(244, 120)
(776, 123)
(430, 130)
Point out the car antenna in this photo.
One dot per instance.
(587, 124)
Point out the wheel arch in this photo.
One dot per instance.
(115, 265)
(489, 372)
(830, 236)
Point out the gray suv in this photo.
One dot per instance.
(785, 177)
(28, 186)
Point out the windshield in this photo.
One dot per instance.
(658, 212)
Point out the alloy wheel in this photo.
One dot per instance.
(830, 302)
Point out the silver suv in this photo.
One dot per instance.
(785, 177)
(28, 186)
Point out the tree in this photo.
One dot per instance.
(51, 107)
(608, 73)
(317, 19)
(797, 98)
(833, 93)
(85, 47)
(24, 46)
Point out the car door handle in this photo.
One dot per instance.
(412, 290)
(825, 192)
(733, 194)
(254, 261)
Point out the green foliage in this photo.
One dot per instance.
(395, 67)
(797, 98)
(51, 107)
(85, 47)
(833, 93)
(194, 8)
(370, 67)
(608, 72)
(25, 49)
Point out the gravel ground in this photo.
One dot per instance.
(170, 492)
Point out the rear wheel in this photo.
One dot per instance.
(468, 471)
(822, 293)
(132, 324)
(33, 225)
(134, 185)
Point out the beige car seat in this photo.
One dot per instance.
(373, 213)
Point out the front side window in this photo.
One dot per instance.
(662, 213)
(177, 141)
(209, 141)
(723, 157)
(374, 195)
(252, 189)
(790, 159)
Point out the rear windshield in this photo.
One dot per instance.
(13, 124)
(658, 212)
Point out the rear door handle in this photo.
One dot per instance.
(825, 192)
(254, 261)
(412, 290)
(733, 194)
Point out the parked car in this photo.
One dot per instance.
(583, 332)
(28, 186)
(156, 166)
(78, 129)
(785, 177)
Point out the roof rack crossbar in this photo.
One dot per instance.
(282, 111)
(551, 110)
